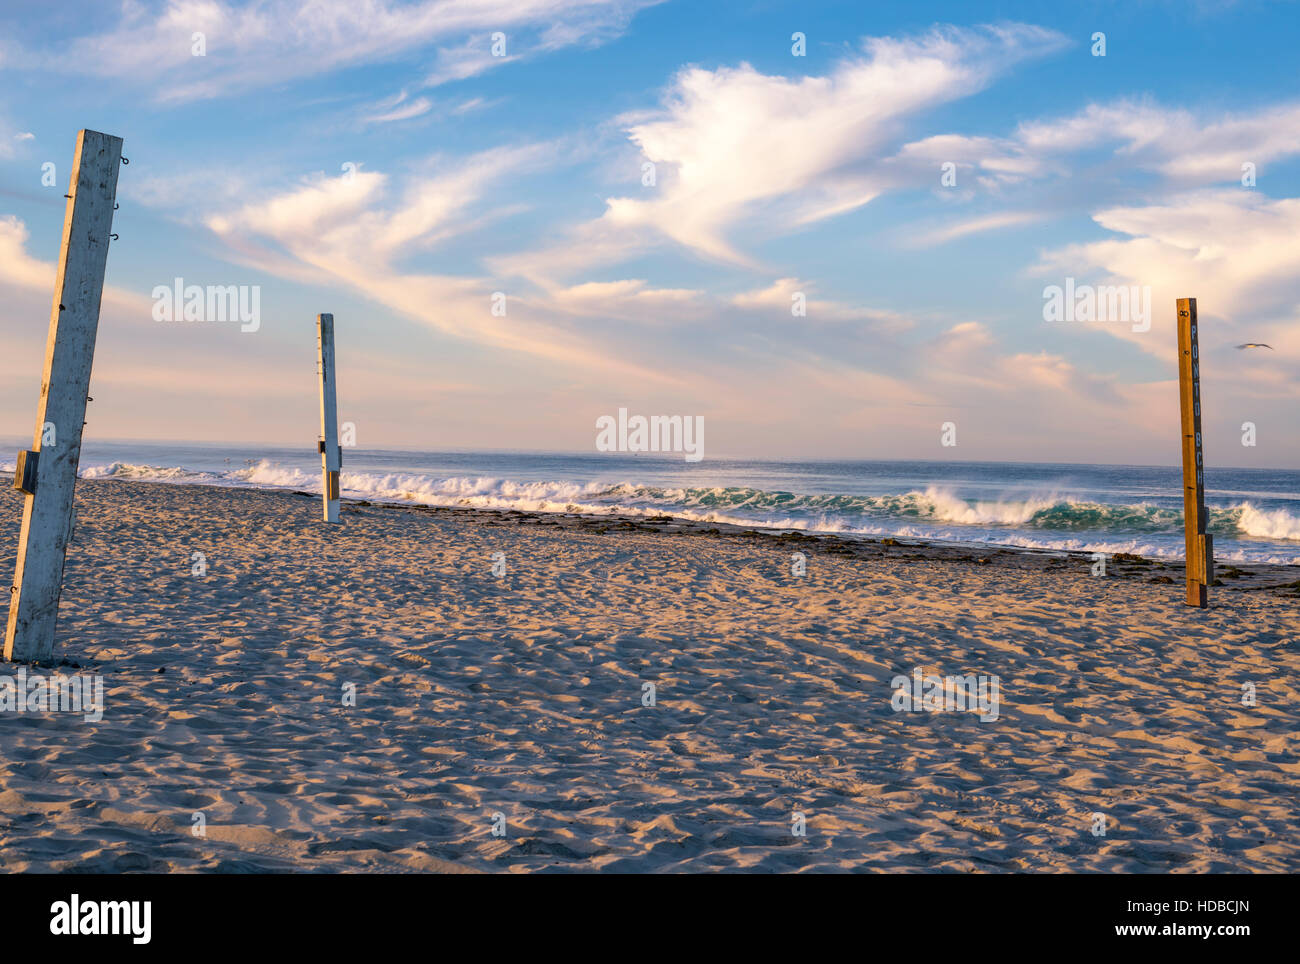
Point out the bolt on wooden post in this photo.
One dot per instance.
(1200, 545)
(47, 472)
(330, 454)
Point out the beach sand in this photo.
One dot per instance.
(522, 695)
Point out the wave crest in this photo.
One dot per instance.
(900, 513)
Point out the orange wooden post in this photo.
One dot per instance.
(1200, 545)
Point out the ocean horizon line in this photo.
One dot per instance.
(593, 453)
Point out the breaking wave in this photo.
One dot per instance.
(904, 513)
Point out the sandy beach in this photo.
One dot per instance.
(522, 695)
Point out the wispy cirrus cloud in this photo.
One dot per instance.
(259, 43)
(977, 225)
(351, 230)
(400, 107)
(1180, 148)
(404, 107)
(1186, 146)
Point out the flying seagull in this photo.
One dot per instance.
(1253, 344)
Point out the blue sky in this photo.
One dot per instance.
(775, 175)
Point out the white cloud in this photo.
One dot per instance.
(10, 138)
(349, 230)
(735, 147)
(266, 42)
(1186, 147)
(1182, 145)
(16, 265)
(398, 108)
(1183, 148)
(778, 299)
(1236, 251)
(22, 271)
(735, 143)
(190, 380)
(631, 300)
(978, 225)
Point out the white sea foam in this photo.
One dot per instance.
(1050, 521)
(1268, 523)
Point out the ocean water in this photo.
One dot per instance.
(1254, 513)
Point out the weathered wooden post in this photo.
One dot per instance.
(47, 472)
(1200, 545)
(330, 455)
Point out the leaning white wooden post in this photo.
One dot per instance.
(48, 471)
(330, 456)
